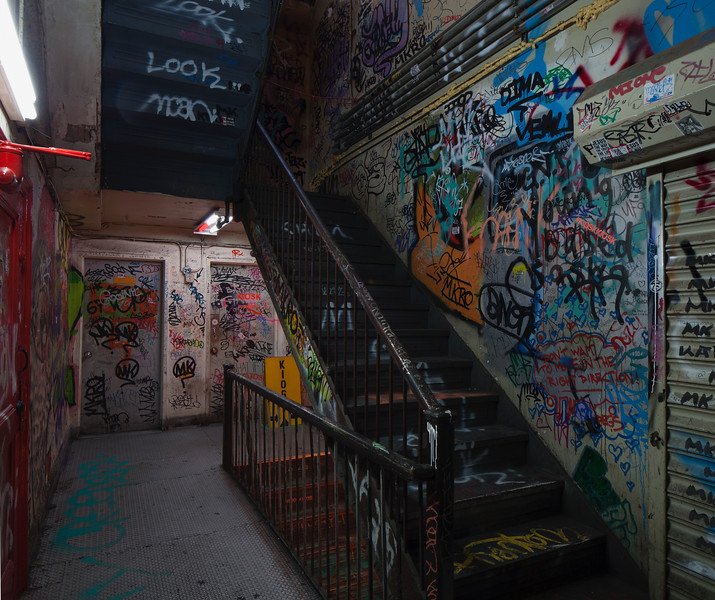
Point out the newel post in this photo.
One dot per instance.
(228, 418)
(438, 565)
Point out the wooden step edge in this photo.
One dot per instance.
(506, 492)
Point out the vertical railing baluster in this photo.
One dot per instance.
(327, 515)
(227, 418)
(383, 535)
(336, 519)
(356, 491)
(315, 467)
(370, 557)
(390, 398)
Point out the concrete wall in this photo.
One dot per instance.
(548, 271)
(197, 325)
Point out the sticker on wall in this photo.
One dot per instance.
(689, 125)
(659, 90)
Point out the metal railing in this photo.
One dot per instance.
(342, 504)
(381, 392)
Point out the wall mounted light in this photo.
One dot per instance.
(212, 223)
(16, 90)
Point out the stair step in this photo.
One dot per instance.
(604, 587)
(496, 497)
(505, 563)
(322, 202)
(488, 446)
(426, 342)
(384, 289)
(438, 373)
(372, 268)
(469, 407)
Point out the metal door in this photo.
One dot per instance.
(242, 326)
(690, 313)
(121, 346)
(13, 436)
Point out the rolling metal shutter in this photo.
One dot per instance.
(690, 314)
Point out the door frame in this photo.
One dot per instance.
(21, 238)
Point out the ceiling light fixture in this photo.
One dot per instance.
(16, 90)
(212, 223)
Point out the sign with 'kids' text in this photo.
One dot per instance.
(283, 378)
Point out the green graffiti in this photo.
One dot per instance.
(75, 293)
(590, 476)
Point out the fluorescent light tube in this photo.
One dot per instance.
(14, 74)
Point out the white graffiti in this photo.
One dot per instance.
(344, 315)
(242, 4)
(182, 108)
(527, 159)
(208, 17)
(187, 68)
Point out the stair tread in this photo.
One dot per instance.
(603, 587)
(495, 483)
(479, 434)
(474, 397)
(422, 363)
(523, 543)
(399, 332)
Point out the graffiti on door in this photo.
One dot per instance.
(242, 325)
(122, 346)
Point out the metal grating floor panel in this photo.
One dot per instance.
(152, 515)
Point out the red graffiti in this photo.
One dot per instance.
(634, 46)
(627, 87)
(704, 182)
(431, 560)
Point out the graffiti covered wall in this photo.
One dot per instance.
(189, 374)
(242, 326)
(545, 262)
(52, 401)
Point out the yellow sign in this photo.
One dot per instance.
(283, 378)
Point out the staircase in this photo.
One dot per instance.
(510, 537)
(454, 475)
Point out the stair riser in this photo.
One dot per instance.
(369, 428)
(483, 413)
(504, 512)
(437, 378)
(397, 295)
(302, 246)
(509, 454)
(415, 346)
(514, 580)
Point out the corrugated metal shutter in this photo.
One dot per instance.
(481, 33)
(690, 313)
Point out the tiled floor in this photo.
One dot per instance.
(151, 515)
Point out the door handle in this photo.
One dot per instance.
(27, 361)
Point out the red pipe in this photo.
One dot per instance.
(5, 145)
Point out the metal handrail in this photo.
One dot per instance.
(424, 395)
(404, 468)
(295, 251)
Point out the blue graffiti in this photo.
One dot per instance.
(670, 22)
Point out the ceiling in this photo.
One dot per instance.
(163, 94)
